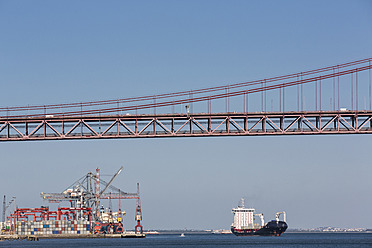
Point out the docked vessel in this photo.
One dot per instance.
(110, 222)
(244, 223)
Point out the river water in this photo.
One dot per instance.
(298, 240)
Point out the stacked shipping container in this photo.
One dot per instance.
(53, 227)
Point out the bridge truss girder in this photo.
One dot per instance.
(182, 125)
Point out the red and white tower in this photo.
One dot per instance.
(138, 228)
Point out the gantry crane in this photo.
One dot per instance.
(86, 193)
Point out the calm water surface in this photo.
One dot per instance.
(298, 240)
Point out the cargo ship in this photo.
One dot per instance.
(110, 222)
(244, 223)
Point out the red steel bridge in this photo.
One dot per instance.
(330, 100)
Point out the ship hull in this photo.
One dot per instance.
(273, 228)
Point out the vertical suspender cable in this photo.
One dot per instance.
(262, 97)
(280, 99)
(316, 95)
(320, 94)
(338, 88)
(265, 91)
(302, 94)
(298, 95)
(283, 99)
(334, 93)
(356, 90)
(244, 96)
(352, 92)
(370, 107)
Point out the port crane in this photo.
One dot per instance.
(262, 219)
(86, 193)
(6, 206)
(138, 228)
(277, 215)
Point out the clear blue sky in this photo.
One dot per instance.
(73, 51)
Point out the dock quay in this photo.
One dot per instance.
(71, 236)
(84, 218)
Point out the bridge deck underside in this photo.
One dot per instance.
(181, 125)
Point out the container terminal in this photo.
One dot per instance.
(85, 217)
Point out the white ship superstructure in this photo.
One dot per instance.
(243, 217)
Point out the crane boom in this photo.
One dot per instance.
(262, 219)
(112, 179)
(277, 215)
(5, 207)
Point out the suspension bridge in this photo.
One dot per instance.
(330, 100)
